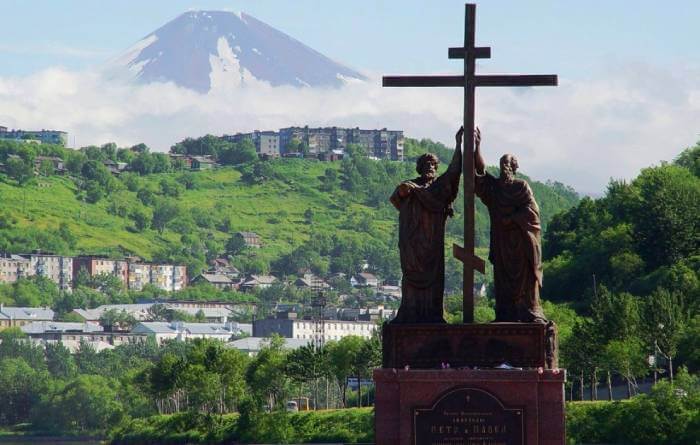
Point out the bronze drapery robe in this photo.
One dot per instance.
(422, 217)
(515, 247)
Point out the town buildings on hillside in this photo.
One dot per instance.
(63, 270)
(41, 136)
(378, 144)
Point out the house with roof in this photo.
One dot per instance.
(73, 335)
(114, 167)
(202, 163)
(219, 281)
(180, 331)
(364, 279)
(20, 316)
(253, 282)
(251, 346)
(250, 239)
(210, 314)
(222, 266)
(55, 162)
(140, 311)
(311, 282)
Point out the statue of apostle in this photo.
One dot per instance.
(515, 249)
(424, 204)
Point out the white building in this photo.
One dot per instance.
(307, 329)
(177, 330)
(252, 345)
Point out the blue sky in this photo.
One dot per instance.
(566, 37)
(629, 93)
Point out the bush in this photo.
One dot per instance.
(669, 416)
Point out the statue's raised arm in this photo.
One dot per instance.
(515, 246)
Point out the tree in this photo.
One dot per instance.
(626, 357)
(113, 318)
(343, 361)
(141, 218)
(664, 319)
(235, 244)
(308, 364)
(59, 361)
(667, 219)
(20, 389)
(265, 375)
(19, 170)
(164, 212)
(87, 404)
(690, 159)
(93, 192)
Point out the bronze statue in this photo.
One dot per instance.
(515, 248)
(424, 204)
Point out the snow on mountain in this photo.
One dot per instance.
(201, 50)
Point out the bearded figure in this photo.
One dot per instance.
(515, 248)
(424, 204)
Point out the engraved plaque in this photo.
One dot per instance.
(468, 416)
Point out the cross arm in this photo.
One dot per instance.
(516, 80)
(480, 52)
(423, 81)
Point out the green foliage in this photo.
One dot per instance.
(630, 239)
(666, 416)
(21, 387)
(86, 404)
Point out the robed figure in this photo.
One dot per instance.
(515, 248)
(424, 204)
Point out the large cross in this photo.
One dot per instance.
(469, 81)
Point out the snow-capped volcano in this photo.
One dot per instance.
(200, 49)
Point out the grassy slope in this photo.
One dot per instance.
(274, 209)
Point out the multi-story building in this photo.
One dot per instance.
(162, 276)
(179, 277)
(44, 136)
(333, 329)
(98, 265)
(379, 144)
(14, 267)
(134, 275)
(265, 142)
(56, 268)
(139, 275)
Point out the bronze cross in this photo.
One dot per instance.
(469, 81)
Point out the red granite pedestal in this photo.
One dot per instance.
(433, 407)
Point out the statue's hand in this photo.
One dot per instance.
(477, 137)
(458, 136)
(405, 189)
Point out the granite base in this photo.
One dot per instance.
(403, 396)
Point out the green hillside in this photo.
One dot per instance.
(330, 216)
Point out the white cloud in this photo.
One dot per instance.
(54, 49)
(581, 133)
